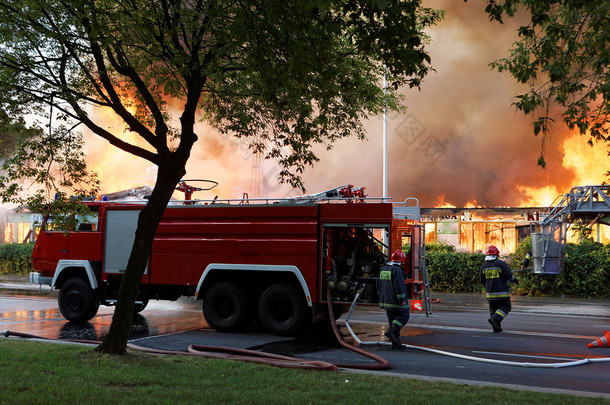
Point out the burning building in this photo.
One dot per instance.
(473, 229)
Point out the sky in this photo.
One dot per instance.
(460, 142)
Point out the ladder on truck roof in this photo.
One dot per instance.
(590, 204)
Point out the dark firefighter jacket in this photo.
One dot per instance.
(494, 275)
(391, 286)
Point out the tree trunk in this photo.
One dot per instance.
(115, 342)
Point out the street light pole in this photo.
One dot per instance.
(385, 149)
(385, 137)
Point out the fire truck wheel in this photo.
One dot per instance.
(76, 301)
(282, 310)
(225, 308)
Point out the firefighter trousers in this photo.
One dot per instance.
(499, 308)
(398, 316)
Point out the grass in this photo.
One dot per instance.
(44, 373)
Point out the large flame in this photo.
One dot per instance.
(588, 165)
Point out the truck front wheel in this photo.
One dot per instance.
(225, 308)
(76, 301)
(282, 310)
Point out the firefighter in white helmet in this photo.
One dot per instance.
(494, 274)
(393, 296)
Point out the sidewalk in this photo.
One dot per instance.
(17, 282)
(542, 305)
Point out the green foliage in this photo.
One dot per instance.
(12, 133)
(439, 247)
(45, 168)
(586, 271)
(563, 54)
(583, 230)
(283, 76)
(453, 271)
(16, 258)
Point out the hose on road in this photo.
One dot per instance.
(473, 358)
(252, 356)
(292, 362)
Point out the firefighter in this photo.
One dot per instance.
(494, 274)
(393, 296)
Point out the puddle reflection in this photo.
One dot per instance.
(40, 316)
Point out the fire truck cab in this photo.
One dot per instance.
(269, 261)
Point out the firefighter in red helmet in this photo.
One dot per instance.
(494, 274)
(393, 296)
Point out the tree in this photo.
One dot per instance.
(563, 53)
(282, 75)
(12, 133)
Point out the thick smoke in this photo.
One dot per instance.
(461, 140)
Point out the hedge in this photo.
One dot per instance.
(453, 271)
(16, 258)
(586, 272)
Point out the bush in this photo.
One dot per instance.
(586, 271)
(439, 247)
(453, 271)
(16, 258)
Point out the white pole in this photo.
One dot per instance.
(385, 150)
(385, 138)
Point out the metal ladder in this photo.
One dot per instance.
(423, 269)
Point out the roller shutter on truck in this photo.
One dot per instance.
(119, 236)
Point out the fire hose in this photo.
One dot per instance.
(472, 358)
(212, 352)
(251, 356)
(292, 362)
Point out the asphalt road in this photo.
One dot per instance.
(541, 337)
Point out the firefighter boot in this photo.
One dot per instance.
(394, 335)
(495, 324)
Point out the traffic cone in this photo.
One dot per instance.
(602, 341)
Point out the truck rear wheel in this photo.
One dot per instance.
(76, 301)
(225, 308)
(282, 310)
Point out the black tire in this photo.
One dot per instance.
(282, 310)
(76, 301)
(225, 308)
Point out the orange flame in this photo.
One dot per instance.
(587, 163)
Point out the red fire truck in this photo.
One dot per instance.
(270, 261)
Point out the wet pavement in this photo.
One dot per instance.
(538, 330)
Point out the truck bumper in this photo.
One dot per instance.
(37, 278)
